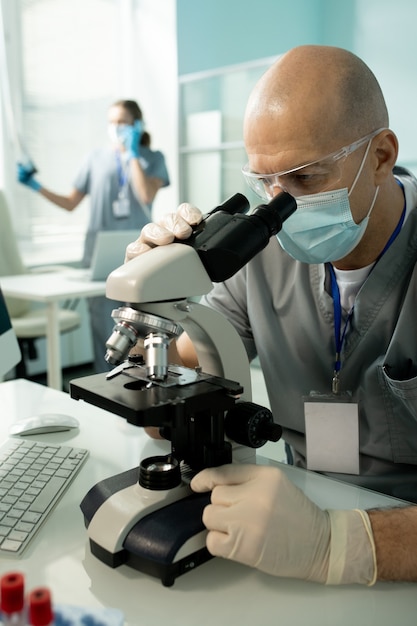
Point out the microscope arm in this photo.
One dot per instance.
(219, 348)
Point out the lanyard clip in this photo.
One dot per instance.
(336, 383)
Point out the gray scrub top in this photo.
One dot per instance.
(99, 177)
(283, 311)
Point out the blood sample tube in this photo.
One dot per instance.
(40, 611)
(12, 599)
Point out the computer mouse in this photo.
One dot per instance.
(43, 424)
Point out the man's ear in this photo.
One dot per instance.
(385, 152)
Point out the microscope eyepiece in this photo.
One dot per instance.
(275, 212)
(225, 241)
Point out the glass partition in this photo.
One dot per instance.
(212, 153)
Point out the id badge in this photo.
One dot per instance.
(121, 207)
(332, 433)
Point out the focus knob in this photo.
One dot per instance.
(251, 425)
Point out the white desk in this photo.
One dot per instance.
(218, 592)
(51, 288)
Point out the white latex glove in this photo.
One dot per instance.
(172, 226)
(259, 518)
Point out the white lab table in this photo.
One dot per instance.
(51, 288)
(218, 592)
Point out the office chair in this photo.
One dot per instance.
(29, 323)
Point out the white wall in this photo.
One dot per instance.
(385, 38)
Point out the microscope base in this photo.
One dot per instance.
(165, 544)
(166, 572)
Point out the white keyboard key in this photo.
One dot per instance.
(33, 477)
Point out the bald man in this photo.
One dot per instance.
(329, 308)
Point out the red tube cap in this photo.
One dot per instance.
(40, 607)
(12, 592)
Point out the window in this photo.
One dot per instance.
(66, 58)
(212, 153)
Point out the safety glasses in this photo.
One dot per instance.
(310, 178)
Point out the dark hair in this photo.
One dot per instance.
(135, 111)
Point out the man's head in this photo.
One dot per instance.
(314, 101)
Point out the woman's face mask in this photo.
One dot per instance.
(322, 228)
(115, 132)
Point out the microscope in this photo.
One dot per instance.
(148, 517)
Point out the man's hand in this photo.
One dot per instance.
(259, 518)
(178, 225)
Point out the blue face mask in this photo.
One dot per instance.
(322, 228)
(116, 132)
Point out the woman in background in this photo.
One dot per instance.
(122, 181)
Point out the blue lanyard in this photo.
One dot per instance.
(340, 334)
(121, 174)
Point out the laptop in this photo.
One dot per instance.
(108, 254)
(10, 354)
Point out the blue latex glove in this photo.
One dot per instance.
(130, 137)
(25, 176)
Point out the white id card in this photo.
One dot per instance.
(121, 207)
(332, 434)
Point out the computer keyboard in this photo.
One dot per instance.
(33, 477)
